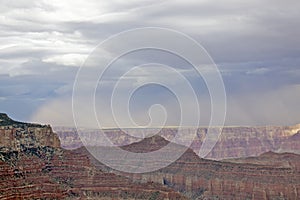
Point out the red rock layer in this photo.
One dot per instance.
(25, 179)
(16, 138)
(70, 175)
(234, 142)
(33, 166)
(207, 179)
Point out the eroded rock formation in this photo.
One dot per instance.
(19, 136)
(275, 176)
(234, 142)
(33, 166)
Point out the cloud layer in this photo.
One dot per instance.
(255, 45)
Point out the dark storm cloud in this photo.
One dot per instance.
(235, 31)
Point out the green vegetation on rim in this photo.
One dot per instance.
(7, 121)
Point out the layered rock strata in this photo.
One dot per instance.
(33, 166)
(234, 142)
(276, 176)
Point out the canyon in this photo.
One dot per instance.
(269, 176)
(233, 142)
(33, 165)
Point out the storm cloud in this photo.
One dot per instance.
(255, 45)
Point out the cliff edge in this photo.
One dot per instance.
(19, 136)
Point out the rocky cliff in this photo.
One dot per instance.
(69, 175)
(276, 176)
(234, 142)
(18, 136)
(33, 166)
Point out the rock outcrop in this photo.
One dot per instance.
(69, 175)
(18, 136)
(206, 179)
(234, 142)
(271, 159)
(237, 142)
(33, 166)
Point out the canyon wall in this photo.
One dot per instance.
(65, 174)
(270, 176)
(18, 136)
(33, 166)
(234, 142)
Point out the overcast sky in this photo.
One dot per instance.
(255, 45)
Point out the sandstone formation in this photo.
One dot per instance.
(18, 136)
(33, 166)
(234, 142)
(69, 175)
(276, 176)
(271, 159)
